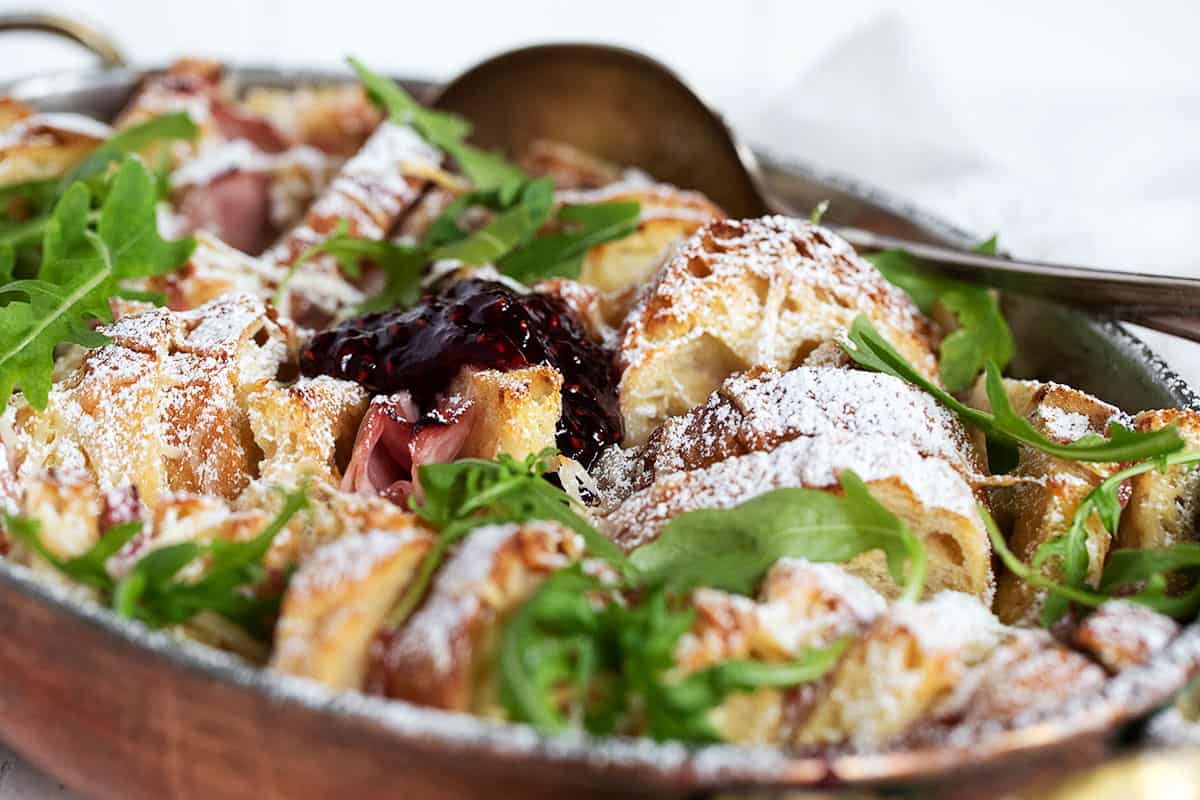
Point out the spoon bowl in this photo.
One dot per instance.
(629, 109)
(622, 106)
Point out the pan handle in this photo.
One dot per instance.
(99, 44)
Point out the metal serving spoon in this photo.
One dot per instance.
(628, 108)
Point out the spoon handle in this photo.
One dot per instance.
(1165, 303)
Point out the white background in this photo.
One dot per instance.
(1071, 128)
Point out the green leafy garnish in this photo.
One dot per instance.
(732, 549)
(867, 347)
(574, 653)
(1104, 503)
(460, 496)
(818, 213)
(522, 205)
(153, 592)
(37, 197)
(402, 267)
(560, 255)
(1149, 569)
(447, 132)
(508, 230)
(1123, 570)
(81, 268)
(87, 568)
(982, 335)
(176, 126)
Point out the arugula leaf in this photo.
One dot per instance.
(818, 213)
(681, 710)
(463, 495)
(87, 568)
(982, 335)
(447, 132)
(402, 266)
(1129, 567)
(561, 254)
(508, 230)
(79, 272)
(867, 347)
(150, 591)
(168, 127)
(1071, 547)
(1123, 568)
(609, 663)
(732, 549)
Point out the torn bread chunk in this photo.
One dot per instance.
(1040, 507)
(619, 269)
(1121, 634)
(338, 600)
(516, 412)
(934, 500)
(304, 429)
(216, 269)
(42, 146)
(908, 660)
(800, 605)
(442, 656)
(371, 192)
(738, 294)
(335, 119)
(162, 407)
(759, 410)
(1164, 507)
(922, 671)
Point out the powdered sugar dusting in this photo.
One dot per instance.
(758, 411)
(350, 559)
(812, 462)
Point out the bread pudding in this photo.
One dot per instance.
(304, 375)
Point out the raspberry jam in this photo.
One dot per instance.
(479, 324)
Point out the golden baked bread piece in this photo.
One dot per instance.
(909, 659)
(162, 407)
(1042, 504)
(13, 111)
(620, 268)
(442, 656)
(761, 292)
(1027, 671)
(336, 118)
(339, 599)
(68, 506)
(304, 429)
(1121, 633)
(934, 500)
(759, 410)
(40, 146)
(1164, 508)
(216, 269)
(800, 605)
(371, 192)
(514, 412)
(921, 670)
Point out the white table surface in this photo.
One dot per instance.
(1069, 128)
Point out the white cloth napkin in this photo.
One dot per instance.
(1100, 181)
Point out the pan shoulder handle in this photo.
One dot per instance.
(98, 43)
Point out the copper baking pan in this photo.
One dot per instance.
(115, 710)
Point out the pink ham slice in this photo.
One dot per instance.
(235, 206)
(394, 441)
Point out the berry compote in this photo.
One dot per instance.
(481, 324)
